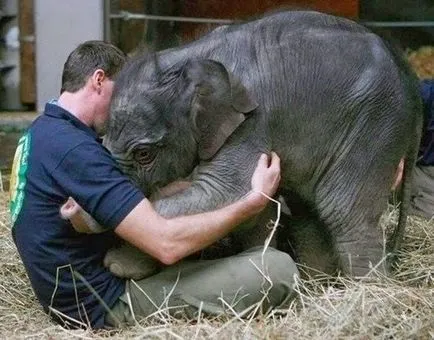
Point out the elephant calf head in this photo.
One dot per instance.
(163, 122)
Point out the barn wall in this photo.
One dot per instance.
(54, 45)
(243, 9)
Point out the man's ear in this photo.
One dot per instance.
(97, 78)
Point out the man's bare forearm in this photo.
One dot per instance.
(169, 240)
(206, 228)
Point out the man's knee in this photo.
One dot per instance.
(275, 264)
(422, 197)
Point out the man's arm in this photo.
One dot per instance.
(170, 240)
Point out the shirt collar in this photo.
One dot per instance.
(53, 109)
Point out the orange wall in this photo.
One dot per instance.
(241, 9)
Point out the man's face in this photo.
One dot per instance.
(103, 109)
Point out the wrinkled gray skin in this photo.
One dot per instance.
(337, 106)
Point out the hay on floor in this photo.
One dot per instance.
(398, 307)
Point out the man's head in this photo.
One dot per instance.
(88, 75)
(86, 59)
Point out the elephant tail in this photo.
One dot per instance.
(416, 110)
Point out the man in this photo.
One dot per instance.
(422, 185)
(61, 156)
(422, 198)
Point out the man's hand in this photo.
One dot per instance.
(266, 177)
(81, 221)
(265, 180)
(398, 175)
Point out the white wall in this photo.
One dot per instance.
(10, 56)
(60, 25)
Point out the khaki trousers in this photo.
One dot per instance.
(210, 287)
(422, 192)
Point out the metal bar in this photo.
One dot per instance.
(392, 24)
(106, 18)
(125, 15)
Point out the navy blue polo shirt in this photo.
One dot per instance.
(59, 157)
(426, 152)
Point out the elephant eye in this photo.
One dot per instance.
(145, 156)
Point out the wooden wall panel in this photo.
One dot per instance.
(27, 52)
(134, 34)
(127, 35)
(242, 9)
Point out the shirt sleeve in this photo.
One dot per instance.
(89, 174)
(427, 93)
(426, 152)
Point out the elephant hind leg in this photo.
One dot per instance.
(359, 253)
(351, 209)
(359, 244)
(303, 237)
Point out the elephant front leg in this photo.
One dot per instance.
(128, 262)
(214, 184)
(204, 194)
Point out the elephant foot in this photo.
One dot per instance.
(362, 258)
(130, 263)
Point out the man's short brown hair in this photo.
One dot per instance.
(86, 59)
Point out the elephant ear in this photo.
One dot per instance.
(219, 104)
